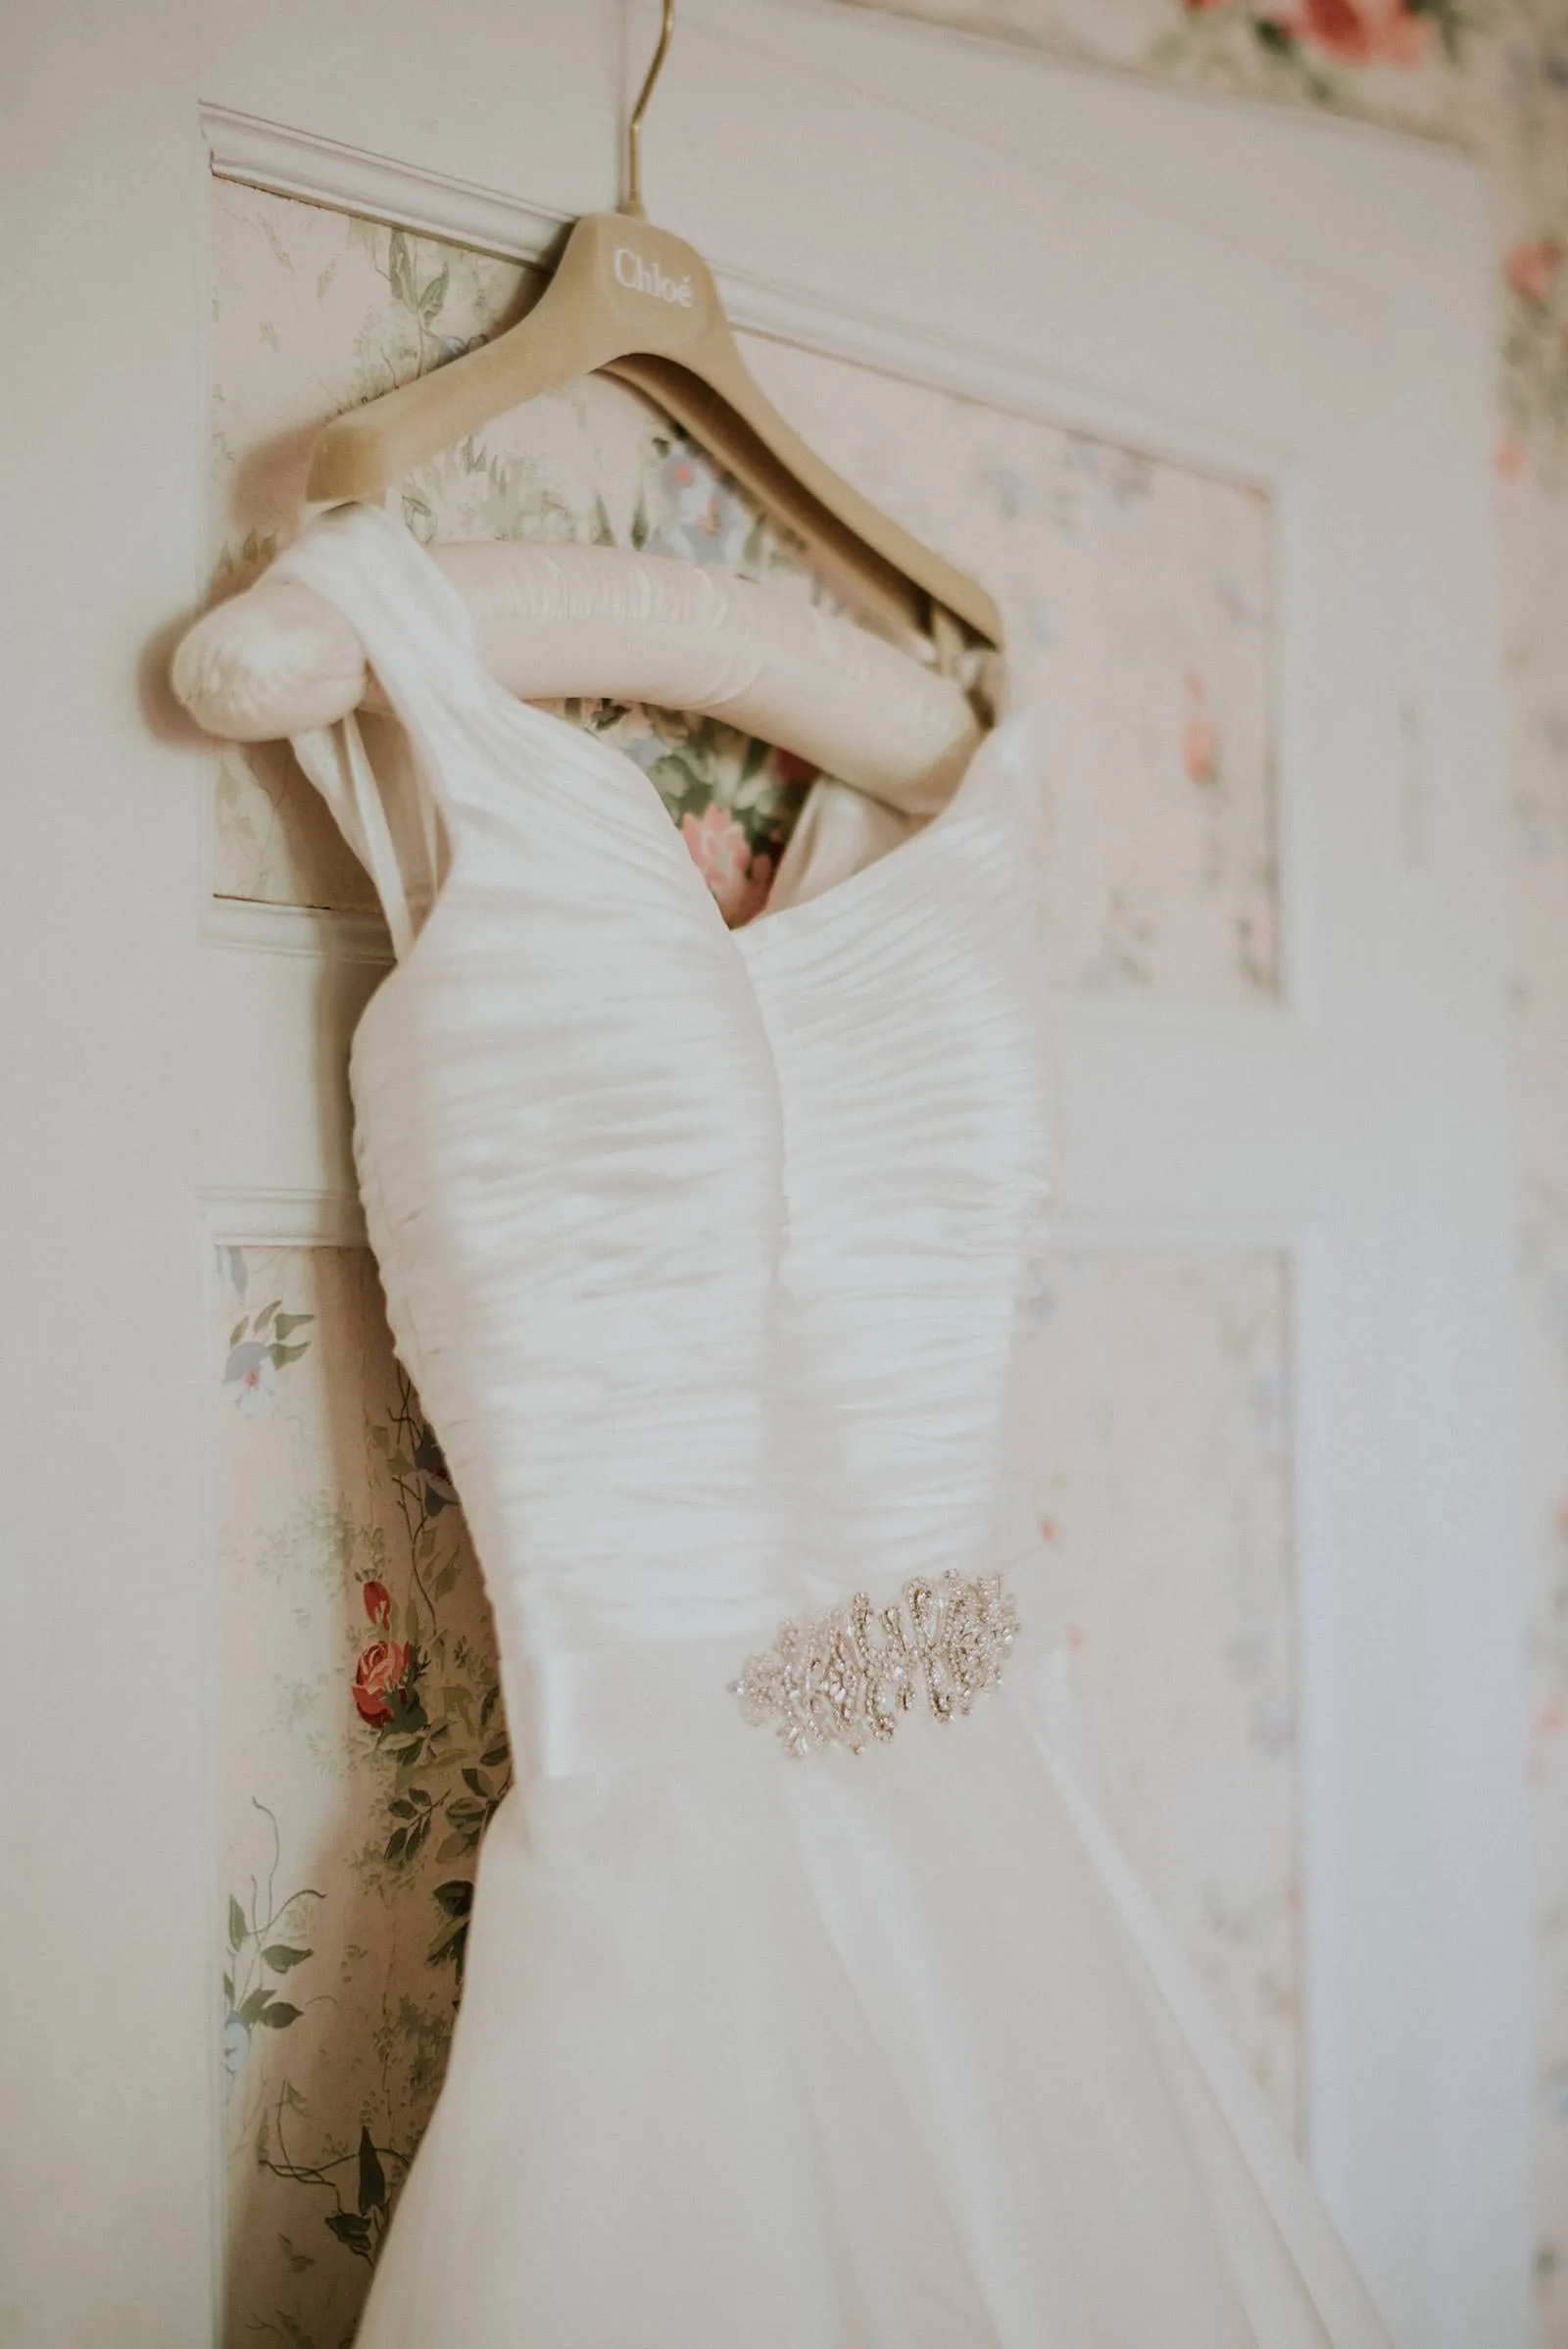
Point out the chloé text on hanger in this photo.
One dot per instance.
(640, 276)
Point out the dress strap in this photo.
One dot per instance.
(414, 627)
(419, 639)
(334, 758)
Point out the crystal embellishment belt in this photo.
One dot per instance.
(845, 1677)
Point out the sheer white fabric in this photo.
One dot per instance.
(709, 1253)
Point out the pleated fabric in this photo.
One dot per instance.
(710, 1255)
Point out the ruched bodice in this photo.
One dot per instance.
(709, 1254)
(902, 1011)
(705, 1249)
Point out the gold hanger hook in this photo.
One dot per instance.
(633, 204)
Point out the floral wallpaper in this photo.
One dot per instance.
(1493, 76)
(363, 1752)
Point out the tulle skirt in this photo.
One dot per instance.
(878, 2051)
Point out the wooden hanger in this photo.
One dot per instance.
(641, 304)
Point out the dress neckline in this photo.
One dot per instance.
(805, 918)
(1005, 733)
(1005, 738)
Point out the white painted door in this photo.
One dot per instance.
(1267, 301)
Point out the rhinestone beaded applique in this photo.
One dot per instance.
(845, 1677)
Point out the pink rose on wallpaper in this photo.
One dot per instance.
(1381, 32)
(1544, 1730)
(378, 1603)
(723, 854)
(1199, 735)
(1510, 459)
(696, 498)
(379, 1680)
(1359, 32)
(1532, 267)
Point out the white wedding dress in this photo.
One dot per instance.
(709, 1254)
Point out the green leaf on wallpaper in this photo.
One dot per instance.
(239, 1331)
(1451, 20)
(266, 1314)
(350, 2229)
(395, 1843)
(674, 780)
(424, 1547)
(407, 1753)
(251, 2011)
(639, 524)
(400, 1464)
(228, 1989)
(434, 294)
(280, 1957)
(497, 1758)
(373, 2178)
(289, 1323)
(400, 271)
(600, 530)
(455, 1900)
(450, 1946)
(444, 1580)
(236, 1922)
(279, 2015)
(282, 1355)
(453, 1847)
(402, 1810)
